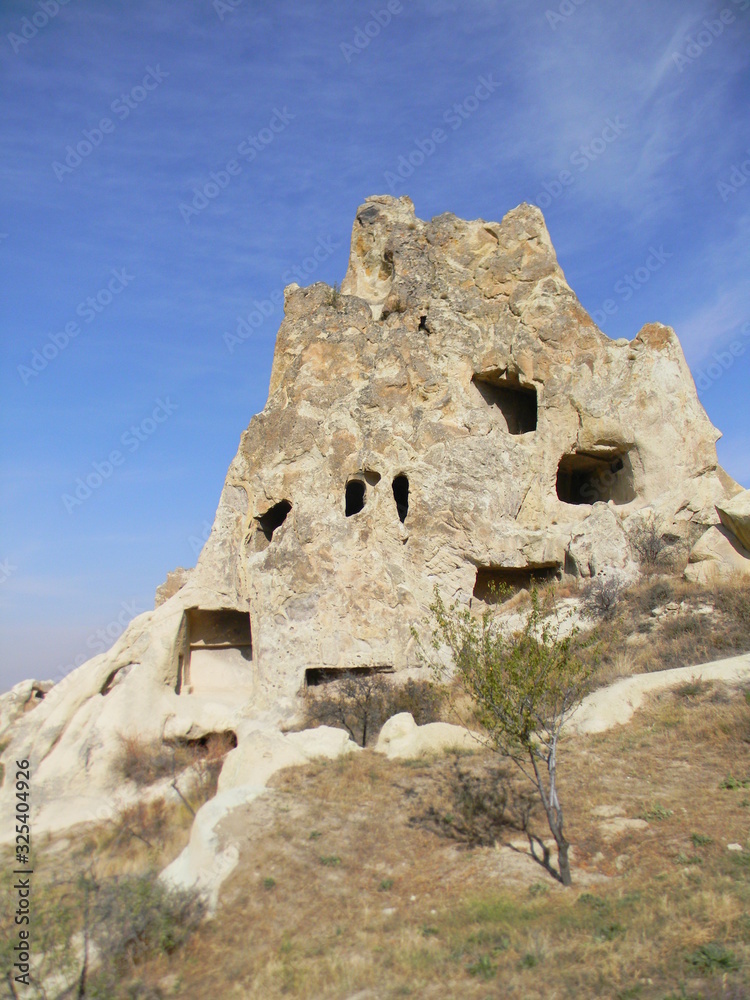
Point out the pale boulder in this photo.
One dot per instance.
(263, 752)
(402, 737)
(716, 556)
(735, 516)
(599, 544)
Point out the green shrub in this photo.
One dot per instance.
(711, 957)
(137, 916)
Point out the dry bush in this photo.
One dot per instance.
(683, 638)
(146, 762)
(143, 761)
(362, 703)
(601, 597)
(650, 545)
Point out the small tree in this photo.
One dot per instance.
(525, 687)
(354, 703)
(361, 703)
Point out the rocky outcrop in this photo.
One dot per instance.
(402, 737)
(735, 516)
(716, 556)
(452, 417)
(176, 580)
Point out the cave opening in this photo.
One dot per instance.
(517, 403)
(273, 518)
(585, 479)
(316, 676)
(355, 497)
(495, 584)
(401, 496)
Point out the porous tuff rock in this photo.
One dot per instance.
(716, 556)
(735, 515)
(456, 356)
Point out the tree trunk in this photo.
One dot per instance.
(563, 863)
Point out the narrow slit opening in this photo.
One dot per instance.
(401, 496)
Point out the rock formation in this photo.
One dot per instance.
(451, 417)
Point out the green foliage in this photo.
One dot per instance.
(127, 920)
(700, 840)
(330, 860)
(483, 967)
(269, 883)
(135, 916)
(657, 812)
(713, 957)
(731, 783)
(524, 687)
(385, 885)
(334, 295)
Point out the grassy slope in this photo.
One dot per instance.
(339, 895)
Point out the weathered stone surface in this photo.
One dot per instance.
(402, 737)
(615, 705)
(176, 579)
(458, 393)
(21, 698)
(716, 556)
(600, 545)
(735, 515)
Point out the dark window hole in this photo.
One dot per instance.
(401, 496)
(372, 478)
(493, 582)
(587, 479)
(273, 518)
(314, 676)
(355, 497)
(516, 402)
(222, 629)
(423, 324)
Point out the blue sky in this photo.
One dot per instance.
(628, 124)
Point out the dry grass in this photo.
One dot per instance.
(340, 893)
(638, 642)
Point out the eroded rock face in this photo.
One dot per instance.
(453, 417)
(735, 516)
